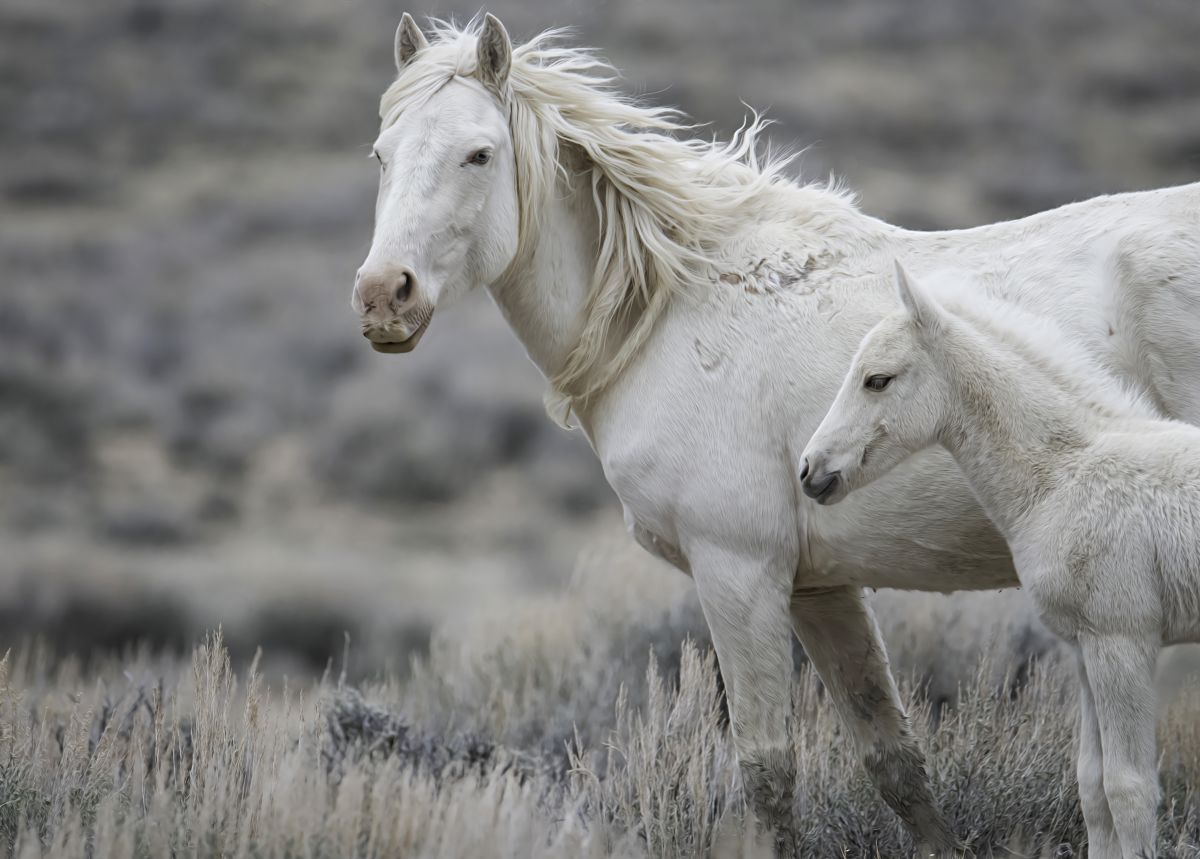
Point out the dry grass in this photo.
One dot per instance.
(536, 729)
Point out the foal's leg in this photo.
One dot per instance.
(745, 602)
(840, 636)
(1101, 834)
(1120, 670)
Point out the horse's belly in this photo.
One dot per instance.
(906, 565)
(917, 528)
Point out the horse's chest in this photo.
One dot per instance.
(684, 477)
(1059, 600)
(1072, 584)
(649, 490)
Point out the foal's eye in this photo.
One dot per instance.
(483, 156)
(379, 158)
(877, 383)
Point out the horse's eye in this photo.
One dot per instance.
(379, 158)
(483, 156)
(877, 383)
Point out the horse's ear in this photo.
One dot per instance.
(919, 304)
(409, 40)
(494, 54)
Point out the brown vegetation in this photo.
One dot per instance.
(534, 729)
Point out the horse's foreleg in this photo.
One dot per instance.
(1120, 671)
(842, 640)
(1101, 834)
(745, 602)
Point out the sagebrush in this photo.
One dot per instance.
(530, 731)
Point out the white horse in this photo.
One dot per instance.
(695, 309)
(1097, 496)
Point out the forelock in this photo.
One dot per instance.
(451, 54)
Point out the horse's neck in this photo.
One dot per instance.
(544, 298)
(1010, 426)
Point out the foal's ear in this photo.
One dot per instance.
(919, 303)
(409, 40)
(494, 54)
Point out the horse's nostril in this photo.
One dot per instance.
(804, 469)
(404, 288)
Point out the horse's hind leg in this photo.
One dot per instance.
(842, 640)
(1101, 834)
(1120, 671)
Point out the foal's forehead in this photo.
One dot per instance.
(891, 335)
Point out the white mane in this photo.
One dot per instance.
(664, 204)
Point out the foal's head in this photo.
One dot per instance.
(446, 215)
(891, 404)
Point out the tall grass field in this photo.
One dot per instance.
(589, 723)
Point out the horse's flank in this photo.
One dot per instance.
(666, 206)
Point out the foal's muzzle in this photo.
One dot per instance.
(817, 483)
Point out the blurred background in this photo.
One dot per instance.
(192, 431)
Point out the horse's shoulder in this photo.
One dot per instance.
(689, 459)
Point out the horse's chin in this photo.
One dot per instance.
(838, 494)
(398, 347)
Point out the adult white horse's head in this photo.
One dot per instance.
(446, 218)
(891, 403)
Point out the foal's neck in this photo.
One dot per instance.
(1012, 425)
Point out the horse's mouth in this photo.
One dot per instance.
(397, 347)
(825, 492)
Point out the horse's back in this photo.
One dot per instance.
(1119, 273)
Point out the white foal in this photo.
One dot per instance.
(1098, 498)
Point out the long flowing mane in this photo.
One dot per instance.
(664, 203)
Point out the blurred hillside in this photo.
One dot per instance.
(192, 431)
